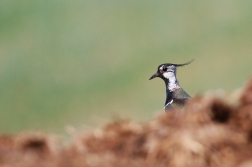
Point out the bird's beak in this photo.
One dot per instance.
(153, 76)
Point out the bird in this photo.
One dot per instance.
(176, 97)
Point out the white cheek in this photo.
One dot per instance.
(168, 74)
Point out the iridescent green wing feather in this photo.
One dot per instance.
(178, 100)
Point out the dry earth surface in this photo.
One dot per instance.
(215, 130)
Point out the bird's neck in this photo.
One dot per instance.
(172, 84)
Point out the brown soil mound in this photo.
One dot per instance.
(209, 133)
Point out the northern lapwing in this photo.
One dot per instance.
(176, 97)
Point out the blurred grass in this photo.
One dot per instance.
(83, 62)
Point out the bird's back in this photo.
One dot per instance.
(176, 99)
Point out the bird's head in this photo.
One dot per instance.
(168, 70)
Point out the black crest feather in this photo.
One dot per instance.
(180, 65)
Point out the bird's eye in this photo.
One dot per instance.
(165, 69)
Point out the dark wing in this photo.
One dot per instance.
(180, 94)
(178, 100)
(177, 104)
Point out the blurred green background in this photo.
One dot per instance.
(83, 62)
